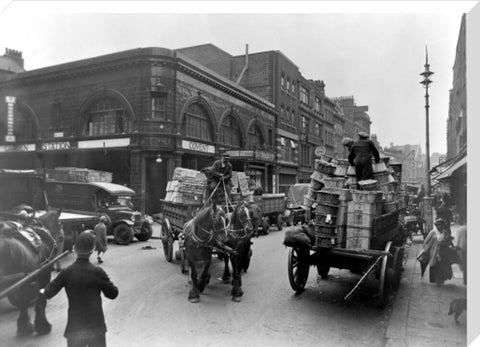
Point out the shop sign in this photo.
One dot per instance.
(264, 156)
(18, 148)
(106, 143)
(55, 146)
(198, 147)
(10, 100)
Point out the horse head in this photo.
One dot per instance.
(51, 220)
(241, 217)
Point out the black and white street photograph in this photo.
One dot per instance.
(237, 173)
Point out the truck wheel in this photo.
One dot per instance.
(145, 232)
(123, 234)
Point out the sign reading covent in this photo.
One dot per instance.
(198, 147)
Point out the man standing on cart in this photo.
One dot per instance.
(360, 156)
(220, 174)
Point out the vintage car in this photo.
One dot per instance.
(102, 199)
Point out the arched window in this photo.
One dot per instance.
(230, 132)
(107, 116)
(196, 123)
(255, 138)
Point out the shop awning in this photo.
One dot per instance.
(448, 172)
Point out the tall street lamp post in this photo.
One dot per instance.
(427, 200)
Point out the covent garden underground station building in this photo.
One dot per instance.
(138, 114)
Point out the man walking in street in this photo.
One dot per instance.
(360, 156)
(84, 283)
(100, 231)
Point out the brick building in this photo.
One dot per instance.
(120, 112)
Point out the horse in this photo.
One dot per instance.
(18, 258)
(239, 234)
(202, 234)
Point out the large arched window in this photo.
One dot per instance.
(196, 123)
(107, 116)
(255, 137)
(230, 132)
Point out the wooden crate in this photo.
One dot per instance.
(344, 194)
(328, 197)
(325, 241)
(358, 237)
(374, 208)
(360, 219)
(359, 196)
(326, 209)
(321, 219)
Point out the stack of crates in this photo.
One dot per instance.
(345, 195)
(187, 186)
(364, 207)
(326, 214)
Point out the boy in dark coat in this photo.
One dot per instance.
(360, 156)
(83, 283)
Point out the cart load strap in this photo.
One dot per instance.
(26, 235)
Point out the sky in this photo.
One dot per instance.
(374, 51)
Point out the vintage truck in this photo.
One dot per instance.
(102, 199)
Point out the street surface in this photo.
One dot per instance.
(152, 308)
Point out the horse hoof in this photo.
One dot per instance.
(26, 331)
(44, 330)
(194, 300)
(236, 298)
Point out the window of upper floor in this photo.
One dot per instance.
(107, 116)
(304, 95)
(56, 117)
(230, 132)
(21, 124)
(159, 108)
(196, 123)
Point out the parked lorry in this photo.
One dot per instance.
(27, 187)
(102, 199)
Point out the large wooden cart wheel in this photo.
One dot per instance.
(298, 267)
(398, 256)
(279, 222)
(167, 240)
(386, 276)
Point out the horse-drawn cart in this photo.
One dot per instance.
(173, 217)
(353, 235)
(272, 208)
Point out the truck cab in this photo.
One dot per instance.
(111, 200)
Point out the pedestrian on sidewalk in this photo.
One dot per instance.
(84, 282)
(100, 231)
(436, 251)
(444, 212)
(462, 246)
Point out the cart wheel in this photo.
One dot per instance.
(398, 266)
(266, 225)
(167, 240)
(298, 268)
(279, 222)
(323, 270)
(386, 277)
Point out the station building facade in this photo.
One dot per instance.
(138, 114)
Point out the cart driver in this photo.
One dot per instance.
(221, 171)
(360, 156)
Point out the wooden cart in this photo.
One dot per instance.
(173, 217)
(272, 209)
(383, 257)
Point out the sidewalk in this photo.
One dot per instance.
(420, 311)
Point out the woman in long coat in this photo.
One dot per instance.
(100, 231)
(436, 245)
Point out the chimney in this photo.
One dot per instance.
(245, 67)
(15, 56)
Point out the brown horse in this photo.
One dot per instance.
(239, 234)
(18, 258)
(202, 234)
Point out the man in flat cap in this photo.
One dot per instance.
(360, 156)
(221, 171)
